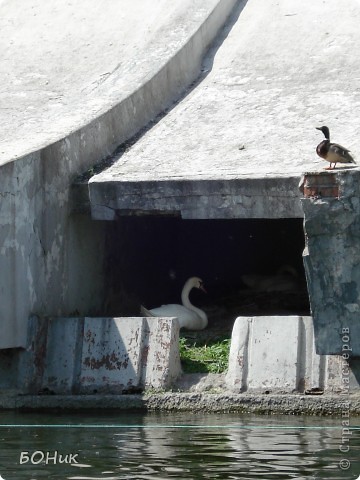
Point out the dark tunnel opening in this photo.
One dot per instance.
(243, 263)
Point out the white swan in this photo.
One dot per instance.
(188, 315)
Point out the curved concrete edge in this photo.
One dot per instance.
(45, 253)
(190, 402)
(157, 90)
(165, 86)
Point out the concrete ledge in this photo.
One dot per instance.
(100, 355)
(277, 354)
(205, 198)
(201, 402)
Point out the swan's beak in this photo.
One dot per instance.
(203, 288)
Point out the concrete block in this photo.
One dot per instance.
(100, 355)
(31, 360)
(161, 366)
(124, 353)
(275, 367)
(314, 369)
(63, 351)
(276, 354)
(111, 354)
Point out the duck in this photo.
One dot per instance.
(332, 152)
(284, 280)
(189, 316)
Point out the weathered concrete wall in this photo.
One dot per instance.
(332, 258)
(51, 261)
(111, 194)
(98, 355)
(277, 354)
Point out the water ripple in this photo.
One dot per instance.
(155, 447)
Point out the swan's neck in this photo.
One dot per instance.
(185, 296)
(186, 302)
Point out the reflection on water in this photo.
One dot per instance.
(164, 446)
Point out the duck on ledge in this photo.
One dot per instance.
(332, 152)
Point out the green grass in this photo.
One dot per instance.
(208, 358)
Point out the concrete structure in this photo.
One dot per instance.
(96, 355)
(237, 144)
(332, 258)
(234, 148)
(94, 75)
(277, 355)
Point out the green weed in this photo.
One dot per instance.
(209, 358)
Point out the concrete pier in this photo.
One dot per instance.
(332, 258)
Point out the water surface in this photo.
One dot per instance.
(122, 445)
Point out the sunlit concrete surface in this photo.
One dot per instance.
(276, 354)
(64, 64)
(284, 68)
